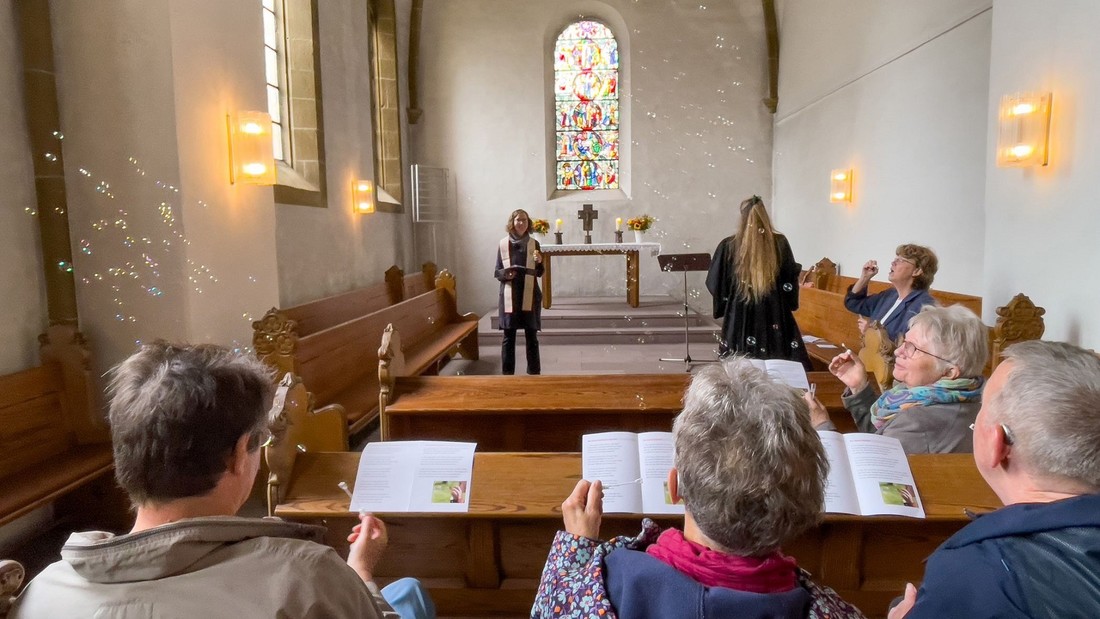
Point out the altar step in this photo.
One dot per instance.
(609, 320)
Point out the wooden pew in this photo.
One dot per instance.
(321, 314)
(487, 562)
(54, 444)
(544, 413)
(339, 364)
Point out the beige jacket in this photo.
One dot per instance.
(203, 568)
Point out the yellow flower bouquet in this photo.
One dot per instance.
(641, 224)
(540, 226)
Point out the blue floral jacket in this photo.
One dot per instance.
(574, 582)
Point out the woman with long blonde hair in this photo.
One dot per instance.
(753, 278)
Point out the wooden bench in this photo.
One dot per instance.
(339, 364)
(52, 442)
(487, 562)
(330, 311)
(544, 413)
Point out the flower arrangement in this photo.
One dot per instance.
(540, 226)
(640, 224)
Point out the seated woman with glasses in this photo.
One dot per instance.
(911, 274)
(937, 390)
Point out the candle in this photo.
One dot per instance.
(618, 223)
(558, 224)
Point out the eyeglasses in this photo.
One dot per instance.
(267, 438)
(1009, 438)
(898, 259)
(906, 349)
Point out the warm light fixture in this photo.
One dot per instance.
(840, 186)
(251, 160)
(362, 196)
(1024, 129)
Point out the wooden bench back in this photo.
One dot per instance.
(48, 409)
(330, 311)
(298, 428)
(33, 424)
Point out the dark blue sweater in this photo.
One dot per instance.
(876, 306)
(1024, 560)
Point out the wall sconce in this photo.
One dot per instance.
(840, 186)
(251, 158)
(362, 196)
(1024, 130)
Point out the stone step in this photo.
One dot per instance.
(625, 322)
(600, 335)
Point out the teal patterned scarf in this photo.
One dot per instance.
(943, 391)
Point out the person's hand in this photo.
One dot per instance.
(583, 510)
(862, 322)
(907, 602)
(818, 413)
(456, 494)
(850, 370)
(870, 269)
(509, 275)
(538, 256)
(368, 542)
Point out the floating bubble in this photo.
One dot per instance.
(64, 266)
(50, 157)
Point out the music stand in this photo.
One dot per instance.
(685, 263)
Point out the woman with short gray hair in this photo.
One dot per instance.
(937, 390)
(751, 472)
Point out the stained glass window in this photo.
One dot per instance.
(586, 107)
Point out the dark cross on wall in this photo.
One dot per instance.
(586, 215)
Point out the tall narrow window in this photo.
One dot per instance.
(385, 106)
(275, 75)
(292, 77)
(586, 107)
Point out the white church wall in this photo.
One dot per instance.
(163, 245)
(324, 251)
(23, 303)
(694, 77)
(1043, 223)
(899, 94)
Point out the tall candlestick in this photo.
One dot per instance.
(618, 223)
(558, 224)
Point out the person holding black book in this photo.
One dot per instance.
(519, 265)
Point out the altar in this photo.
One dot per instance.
(630, 250)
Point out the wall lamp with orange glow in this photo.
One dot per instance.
(1023, 129)
(362, 196)
(840, 186)
(251, 158)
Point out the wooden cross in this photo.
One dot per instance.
(586, 215)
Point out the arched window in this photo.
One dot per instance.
(586, 107)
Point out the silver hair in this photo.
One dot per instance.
(177, 412)
(752, 469)
(956, 334)
(1050, 403)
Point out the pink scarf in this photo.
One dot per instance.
(774, 573)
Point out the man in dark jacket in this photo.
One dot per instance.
(1037, 444)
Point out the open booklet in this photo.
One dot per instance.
(414, 476)
(869, 475)
(792, 373)
(634, 471)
